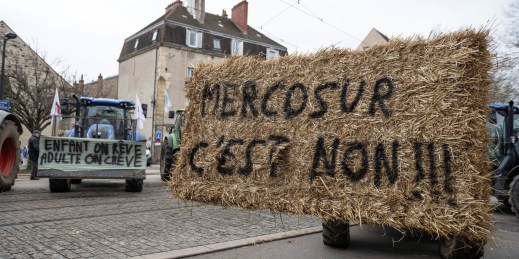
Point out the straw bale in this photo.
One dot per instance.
(402, 141)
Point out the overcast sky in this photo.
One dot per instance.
(88, 35)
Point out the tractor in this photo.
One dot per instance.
(109, 124)
(10, 131)
(171, 145)
(504, 150)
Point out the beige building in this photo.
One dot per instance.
(102, 88)
(161, 57)
(20, 57)
(374, 37)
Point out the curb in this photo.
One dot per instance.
(198, 250)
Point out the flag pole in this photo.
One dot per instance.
(53, 125)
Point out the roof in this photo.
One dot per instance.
(178, 15)
(374, 37)
(91, 101)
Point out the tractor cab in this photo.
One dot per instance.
(103, 118)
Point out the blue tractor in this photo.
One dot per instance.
(504, 150)
(107, 121)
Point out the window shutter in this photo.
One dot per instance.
(199, 39)
(188, 34)
(240, 48)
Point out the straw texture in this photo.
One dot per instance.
(394, 135)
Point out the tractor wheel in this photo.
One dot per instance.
(59, 185)
(456, 247)
(134, 185)
(166, 162)
(76, 181)
(514, 195)
(336, 234)
(9, 154)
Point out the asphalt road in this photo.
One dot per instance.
(377, 242)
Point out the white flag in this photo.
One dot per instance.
(167, 101)
(138, 113)
(55, 111)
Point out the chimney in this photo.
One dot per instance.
(239, 15)
(224, 13)
(197, 9)
(100, 85)
(173, 5)
(81, 83)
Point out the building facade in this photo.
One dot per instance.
(162, 56)
(102, 88)
(32, 78)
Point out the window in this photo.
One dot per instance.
(272, 53)
(154, 36)
(136, 44)
(236, 47)
(216, 44)
(189, 72)
(194, 39)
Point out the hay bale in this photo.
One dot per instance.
(394, 135)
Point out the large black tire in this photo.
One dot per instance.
(514, 195)
(76, 181)
(336, 234)
(457, 247)
(166, 162)
(59, 185)
(134, 185)
(9, 154)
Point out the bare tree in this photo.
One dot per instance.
(30, 86)
(505, 77)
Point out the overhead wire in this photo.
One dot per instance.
(317, 17)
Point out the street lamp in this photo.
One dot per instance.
(7, 36)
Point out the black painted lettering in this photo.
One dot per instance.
(227, 100)
(380, 98)
(227, 155)
(48, 144)
(266, 98)
(433, 176)
(248, 155)
(289, 111)
(344, 96)
(129, 160)
(43, 158)
(320, 155)
(210, 93)
(275, 161)
(55, 144)
(418, 160)
(137, 162)
(101, 148)
(381, 160)
(449, 178)
(249, 93)
(115, 149)
(86, 142)
(351, 148)
(323, 106)
(192, 154)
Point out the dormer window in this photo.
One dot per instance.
(237, 47)
(216, 44)
(272, 53)
(194, 39)
(154, 36)
(136, 44)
